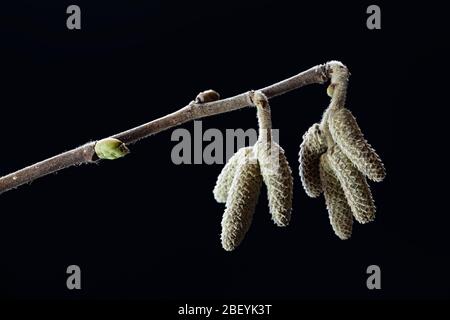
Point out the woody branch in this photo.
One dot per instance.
(194, 110)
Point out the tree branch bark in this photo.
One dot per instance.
(86, 153)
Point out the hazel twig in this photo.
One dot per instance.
(86, 153)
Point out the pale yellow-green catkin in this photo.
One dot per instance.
(354, 184)
(277, 176)
(347, 134)
(339, 212)
(227, 174)
(311, 148)
(241, 202)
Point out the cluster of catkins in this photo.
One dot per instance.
(336, 159)
(240, 181)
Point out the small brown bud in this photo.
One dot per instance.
(207, 96)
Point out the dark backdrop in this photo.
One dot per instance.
(142, 227)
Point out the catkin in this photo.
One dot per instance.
(311, 148)
(227, 174)
(354, 184)
(277, 176)
(339, 212)
(347, 134)
(241, 202)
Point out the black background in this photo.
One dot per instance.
(142, 227)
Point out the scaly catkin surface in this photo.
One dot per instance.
(347, 134)
(241, 202)
(311, 148)
(277, 176)
(339, 212)
(226, 176)
(354, 184)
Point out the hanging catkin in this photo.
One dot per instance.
(241, 178)
(227, 174)
(275, 169)
(354, 184)
(347, 134)
(241, 201)
(311, 148)
(277, 176)
(339, 212)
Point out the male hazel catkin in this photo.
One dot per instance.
(275, 169)
(347, 134)
(312, 147)
(241, 201)
(277, 176)
(346, 159)
(227, 174)
(240, 181)
(354, 184)
(339, 211)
